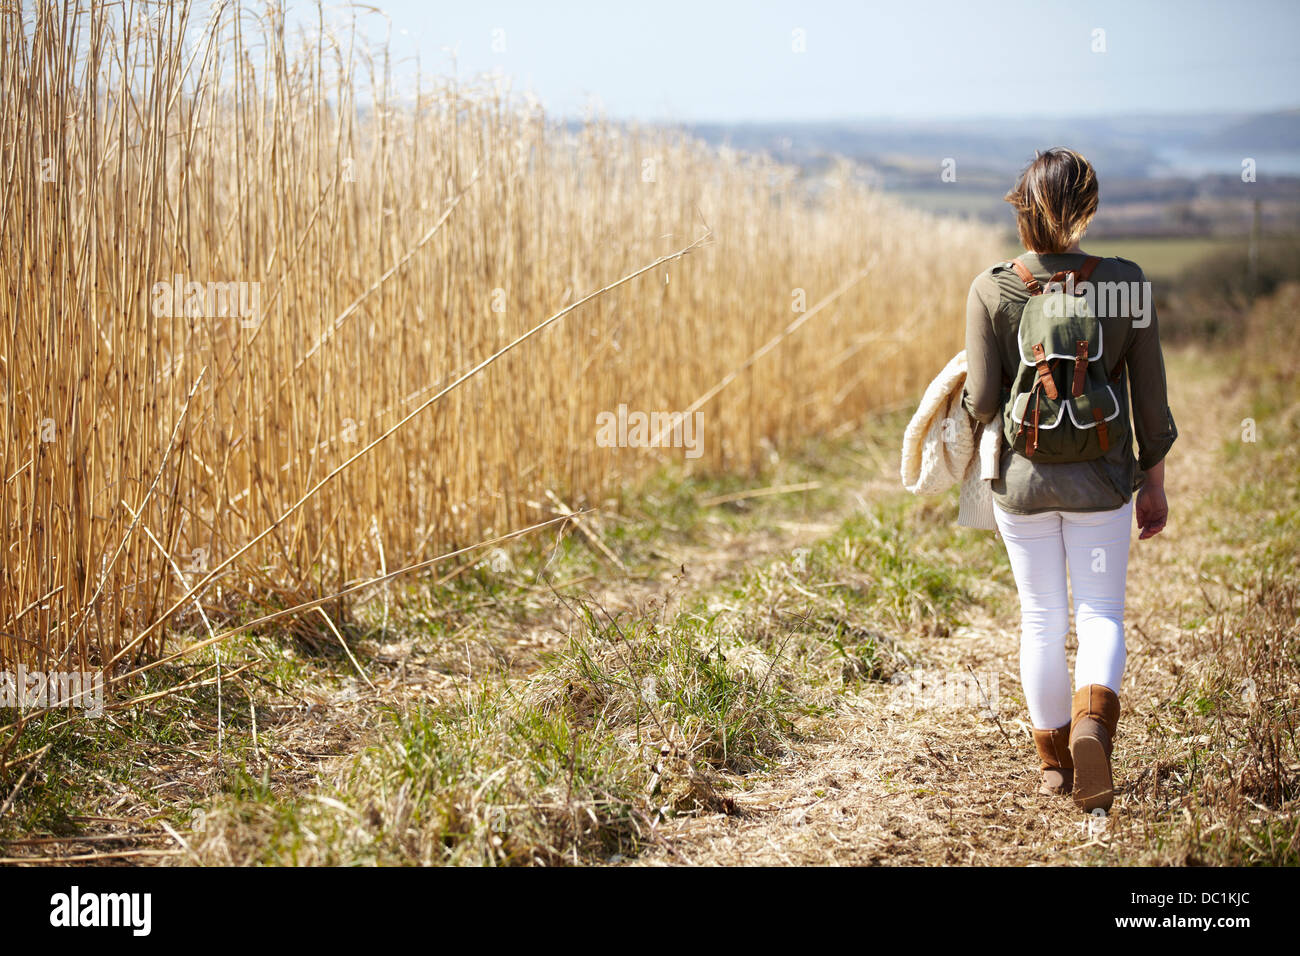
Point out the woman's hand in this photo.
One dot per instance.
(1152, 508)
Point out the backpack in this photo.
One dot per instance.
(1062, 406)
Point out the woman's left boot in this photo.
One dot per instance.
(1092, 737)
(1057, 764)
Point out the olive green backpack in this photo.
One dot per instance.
(1062, 405)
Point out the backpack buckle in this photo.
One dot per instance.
(1080, 367)
(1045, 372)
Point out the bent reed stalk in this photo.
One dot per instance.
(234, 262)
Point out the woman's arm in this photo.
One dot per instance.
(983, 392)
(1153, 423)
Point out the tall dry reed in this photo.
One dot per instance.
(232, 260)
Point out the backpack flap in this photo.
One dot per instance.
(1058, 322)
(1099, 405)
(1093, 410)
(1025, 404)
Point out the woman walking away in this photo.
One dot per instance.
(1064, 346)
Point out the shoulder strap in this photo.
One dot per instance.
(1081, 274)
(1026, 277)
(1118, 370)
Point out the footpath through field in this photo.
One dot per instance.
(926, 784)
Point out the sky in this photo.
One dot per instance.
(708, 60)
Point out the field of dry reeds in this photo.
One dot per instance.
(255, 306)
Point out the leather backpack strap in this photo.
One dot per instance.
(1045, 372)
(1080, 367)
(1031, 443)
(1102, 435)
(1118, 372)
(1081, 274)
(1026, 277)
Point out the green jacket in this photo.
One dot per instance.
(1128, 317)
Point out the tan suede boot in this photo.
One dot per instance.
(1057, 764)
(1092, 736)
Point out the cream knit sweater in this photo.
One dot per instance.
(943, 445)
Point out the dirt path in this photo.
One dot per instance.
(879, 782)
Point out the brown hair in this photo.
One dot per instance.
(1055, 200)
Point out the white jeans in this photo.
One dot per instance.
(1094, 546)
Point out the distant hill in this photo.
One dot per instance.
(1136, 146)
(1161, 175)
(1268, 132)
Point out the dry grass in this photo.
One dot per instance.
(180, 469)
(750, 712)
(1220, 778)
(629, 724)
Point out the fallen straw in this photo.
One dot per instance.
(285, 612)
